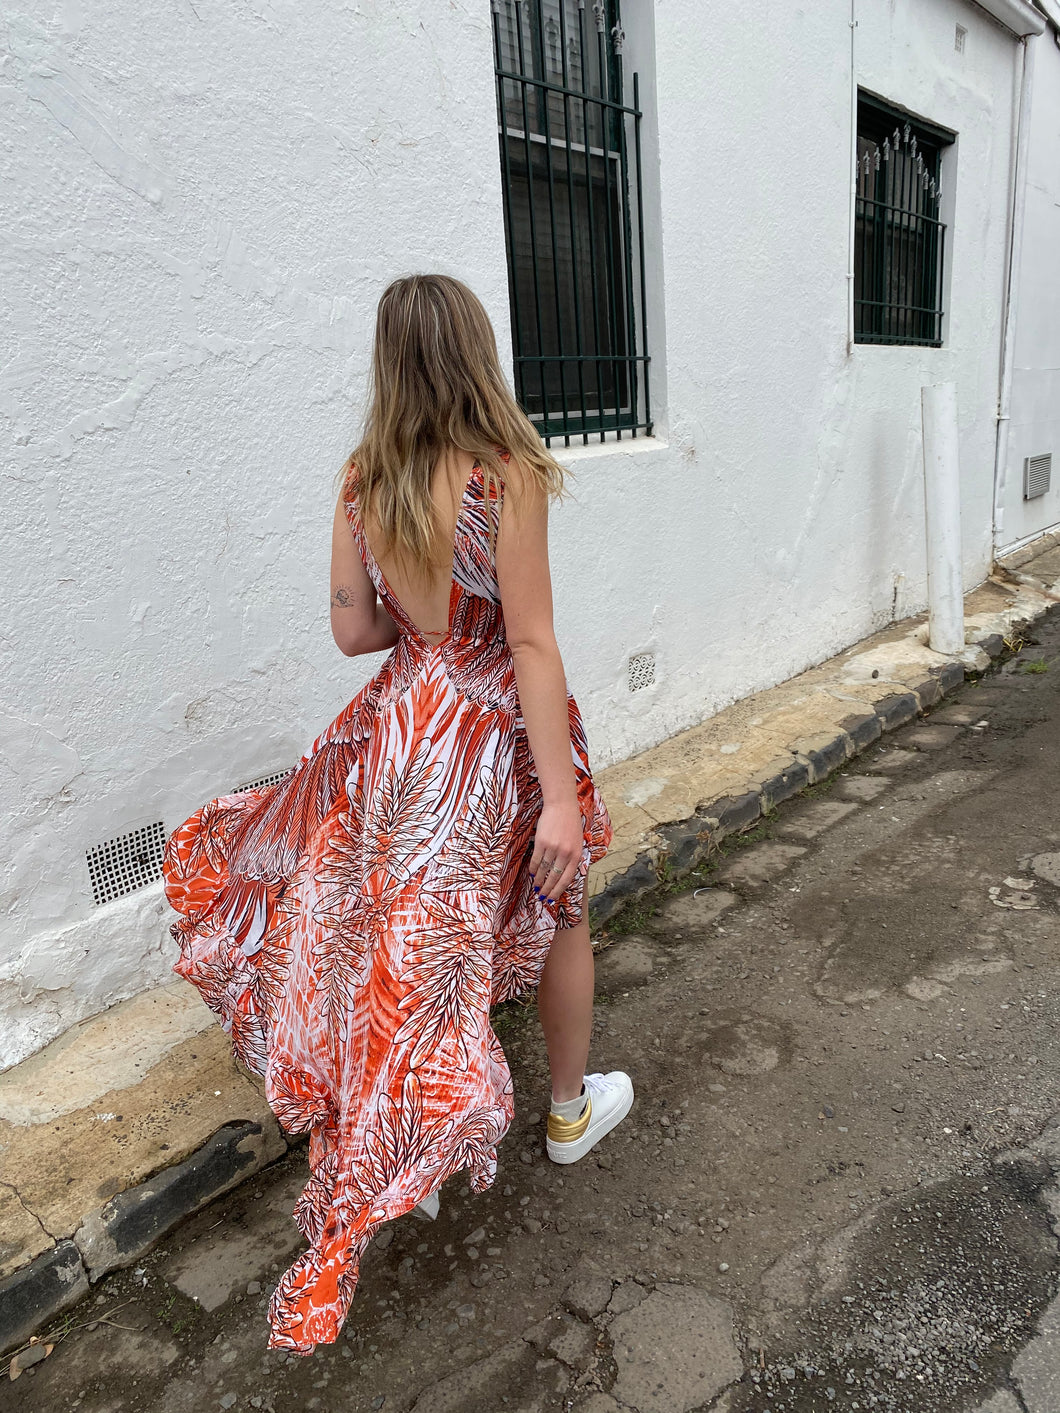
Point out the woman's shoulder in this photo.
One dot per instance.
(502, 454)
(349, 494)
(350, 480)
(521, 478)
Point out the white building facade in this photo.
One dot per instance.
(1028, 470)
(205, 204)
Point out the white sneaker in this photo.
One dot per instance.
(609, 1098)
(429, 1206)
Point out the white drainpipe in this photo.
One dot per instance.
(853, 180)
(942, 507)
(1017, 205)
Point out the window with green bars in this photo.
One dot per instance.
(899, 238)
(573, 218)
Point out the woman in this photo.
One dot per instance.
(352, 924)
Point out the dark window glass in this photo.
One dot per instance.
(898, 236)
(570, 164)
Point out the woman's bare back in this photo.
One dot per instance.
(427, 604)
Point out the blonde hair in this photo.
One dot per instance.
(436, 383)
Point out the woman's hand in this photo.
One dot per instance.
(558, 843)
(526, 600)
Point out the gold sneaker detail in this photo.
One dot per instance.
(610, 1097)
(561, 1130)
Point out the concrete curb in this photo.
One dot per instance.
(123, 1229)
(39, 1292)
(685, 843)
(120, 1231)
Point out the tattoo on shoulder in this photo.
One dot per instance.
(343, 597)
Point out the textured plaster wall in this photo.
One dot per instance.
(202, 205)
(206, 203)
(1035, 405)
(783, 519)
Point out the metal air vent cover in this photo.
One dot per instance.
(1037, 475)
(641, 671)
(124, 864)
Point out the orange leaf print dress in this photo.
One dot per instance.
(352, 924)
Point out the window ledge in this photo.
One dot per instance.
(630, 445)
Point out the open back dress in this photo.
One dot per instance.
(352, 924)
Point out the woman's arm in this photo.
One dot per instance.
(359, 622)
(526, 599)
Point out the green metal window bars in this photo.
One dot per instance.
(899, 240)
(573, 218)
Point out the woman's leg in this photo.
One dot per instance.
(565, 1005)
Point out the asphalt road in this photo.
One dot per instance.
(837, 1188)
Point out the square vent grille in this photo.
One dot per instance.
(1037, 475)
(127, 863)
(264, 780)
(641, 671)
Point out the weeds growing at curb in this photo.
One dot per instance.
(814, 792)
(66, 1327)
(632, 917)
(636, 915)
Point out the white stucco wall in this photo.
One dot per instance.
(783, 519)
(1034, 427)
(206, 205)
(202, 206)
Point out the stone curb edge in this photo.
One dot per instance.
(687, 842)
(123, 1229)
(1018, 558)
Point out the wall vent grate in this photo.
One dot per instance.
(960, 34)
(1037, 475)
(262, 781)
(641, 671)
(127, 863)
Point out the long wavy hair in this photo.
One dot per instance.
(436, 383)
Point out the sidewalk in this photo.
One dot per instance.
(138, 1117)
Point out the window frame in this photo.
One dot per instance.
(573, 220)
(899, 245)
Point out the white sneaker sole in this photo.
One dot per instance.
(578, 1147)
(430, 1206)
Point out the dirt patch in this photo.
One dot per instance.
(747, 1044)
(940, 1291)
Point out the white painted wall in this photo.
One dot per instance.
(1035, 406)
(789, 487)
(206, 205)
(202, 206)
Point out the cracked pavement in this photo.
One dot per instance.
(838, 1187)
